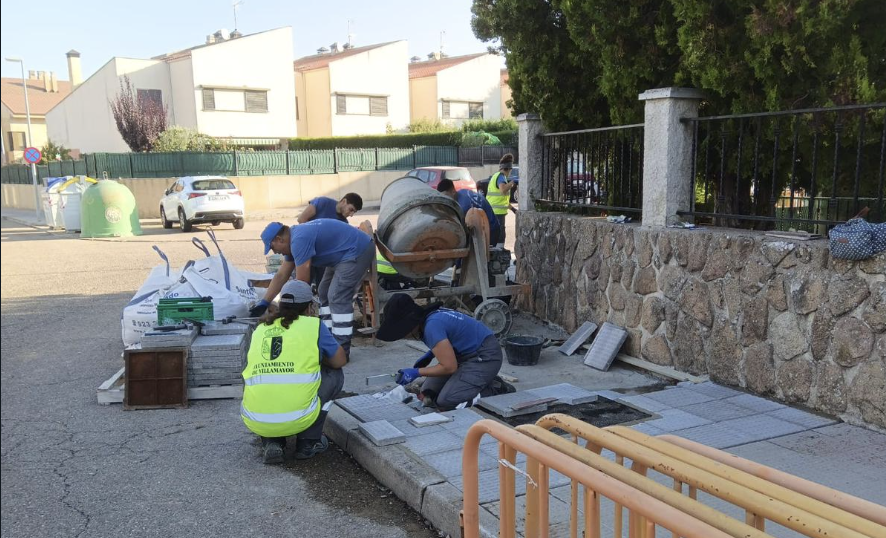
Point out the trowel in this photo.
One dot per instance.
(380, 379)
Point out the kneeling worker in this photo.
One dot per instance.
(293, 372)
(466, 200)
(345, 252)
(467, 352)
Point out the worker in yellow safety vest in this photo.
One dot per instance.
(388, 277)
(498, 193)
(293, 372)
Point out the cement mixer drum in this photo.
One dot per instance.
(416, 218)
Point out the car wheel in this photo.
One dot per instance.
(183, 221)
(216, 223)
(239, 224)
(166, 224)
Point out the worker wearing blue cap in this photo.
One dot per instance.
(346, 254)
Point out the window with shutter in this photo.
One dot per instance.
(341, 106)
(256, 101)
(378, 106)
(476, 111)
(208, 99)
(445, 109)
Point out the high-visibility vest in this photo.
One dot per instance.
(499, 202)
(384, 266)
(281, 378)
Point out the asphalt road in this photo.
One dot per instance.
(72, 467)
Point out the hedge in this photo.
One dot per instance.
(452, 138)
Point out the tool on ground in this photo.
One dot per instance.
(167, 328)
(380, 379)
(193, 322)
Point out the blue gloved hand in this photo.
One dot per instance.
(406, 376)
(260, 308)
(424, 360)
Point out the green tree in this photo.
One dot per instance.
(54, 152)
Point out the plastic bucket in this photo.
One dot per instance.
(523, 350)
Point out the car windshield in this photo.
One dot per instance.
(212, 185)
(457, 174)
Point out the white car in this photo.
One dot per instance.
(201, 199)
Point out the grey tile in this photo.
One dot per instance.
(489, 485)
(675, 419)
(461, 419)
(501, 404)
(565, 393)
(362, 401)
(709, 388)
(644, 403)
(578, 338)
(433, 443)
(409, 430)
(605, 347)
(754, 403)
(610, 394)
(644, 427)
(715, 435)
(802, 418)
(558, 513)
(718, 410)
(389, 412)
(382, 433)
(678, 397)
(761, 427)
(449, 463)
(218, 342)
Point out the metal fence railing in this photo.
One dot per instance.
(594, 168)
(800, 169)
(258, 163)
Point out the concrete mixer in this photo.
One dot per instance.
(423, 233)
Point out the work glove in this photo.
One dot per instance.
(260, 308)
(424, 360)
(406, 376)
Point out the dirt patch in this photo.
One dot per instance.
(601, 413)
(335, 479)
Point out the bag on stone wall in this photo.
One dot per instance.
(857, 239)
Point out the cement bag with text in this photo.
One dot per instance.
(857, 239)
(140, 314)
(217, 269)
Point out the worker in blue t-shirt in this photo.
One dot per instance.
(467, 353)
(466, 200)
(323, 207)
(345, 253)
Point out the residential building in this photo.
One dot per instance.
(44, 92)
(353, 90)
(236, 87)
(505, 90)
(455, 89)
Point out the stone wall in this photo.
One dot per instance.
(778, 318)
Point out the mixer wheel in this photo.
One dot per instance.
(495, 314)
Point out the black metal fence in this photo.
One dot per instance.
(800, 169)
(259, 163)
(594, 168)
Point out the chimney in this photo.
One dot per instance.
(32, 75)
(75, 75)
(54, 81)
(47, 84)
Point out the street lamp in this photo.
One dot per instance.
(30, 138)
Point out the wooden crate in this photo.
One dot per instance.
(111, 391)
(155, 378)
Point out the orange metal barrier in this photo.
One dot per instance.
(853, 505)
(541, 458)
(758, 506)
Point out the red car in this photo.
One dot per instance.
(432, 175)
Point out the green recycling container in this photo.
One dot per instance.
(108, 209)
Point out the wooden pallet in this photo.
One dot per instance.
(111, 391)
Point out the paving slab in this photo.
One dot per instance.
(429, 419)
(215, 328)
(558, 514)
(642, 402)
(382, 433)
(565, 394)
(489, 485)
(718, 410)
(433, 443)
(605, 346)
(675, 419)
(755, 403)
(578, 338)
(501, 404)
(409, 430)
(678, 397)
(761, 427)
(389, 412)
(644, 427)
(712, 389)
(218, 342)
(449, 463)
(803, 418)
(715, 435)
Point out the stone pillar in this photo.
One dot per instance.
(667, 152)
(530, 148)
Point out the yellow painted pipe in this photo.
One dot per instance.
(776, 510)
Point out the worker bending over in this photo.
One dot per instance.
(344, 252)
(468, 355)
(293, 372)
(498, 193)
(466, 200)
(323, 207)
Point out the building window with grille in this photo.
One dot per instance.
(17, 141)
(222, 99)
(256, 101)
(150, 97)
(361, 105)
(462, 110)
(208, 99)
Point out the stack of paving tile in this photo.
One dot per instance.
(240, 326)
(217, 360)
(274, 262)
(161, 339)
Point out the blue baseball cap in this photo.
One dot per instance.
(271, 231)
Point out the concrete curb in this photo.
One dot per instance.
(411, 480)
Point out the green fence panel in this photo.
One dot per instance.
(55, 169)
(42, 172)
(157, 164)
(395, 159)
(355, 160)
(208, 164)
(90, 165)
(436, 156)
(79, 168)
(117, 165)
(261, 163)
(314, 161)
(67, 168)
